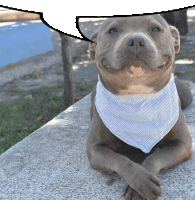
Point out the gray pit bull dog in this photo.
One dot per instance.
(136, 105)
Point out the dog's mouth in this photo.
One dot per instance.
(104, 64)
(165, 63)
(137, 66)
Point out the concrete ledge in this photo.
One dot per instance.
(51, 163)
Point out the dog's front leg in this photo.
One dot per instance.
(142, 181)
(177, 147)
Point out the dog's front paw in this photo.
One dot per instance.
(127, 193)
(145, 184)
(130, 194)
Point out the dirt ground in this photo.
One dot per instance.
(84, 69)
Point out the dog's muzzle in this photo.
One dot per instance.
(136, 43)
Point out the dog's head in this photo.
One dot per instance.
(135, 55)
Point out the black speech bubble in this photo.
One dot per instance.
(64, 16)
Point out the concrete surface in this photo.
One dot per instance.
(51, 163)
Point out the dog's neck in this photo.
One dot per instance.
(139, 120)
(137, 96)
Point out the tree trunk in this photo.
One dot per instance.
(178, 19)
(67, 68)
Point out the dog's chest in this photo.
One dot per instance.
(140, 120)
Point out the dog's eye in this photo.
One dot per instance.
(112, 31)
(156, 29)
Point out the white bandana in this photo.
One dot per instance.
(139, 120)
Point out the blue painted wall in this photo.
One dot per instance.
(23, 40)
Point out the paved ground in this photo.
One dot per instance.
(51, 164)
(46, 70)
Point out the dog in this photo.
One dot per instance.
(136, 104)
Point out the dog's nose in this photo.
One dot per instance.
(136, 43)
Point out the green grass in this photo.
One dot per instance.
(183, 55)
(185, 72)
(22, 116)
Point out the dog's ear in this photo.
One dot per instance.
(176, 37)
(92, 45)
